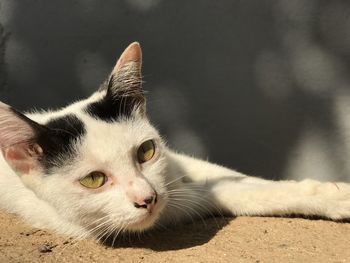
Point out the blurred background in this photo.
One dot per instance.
(260, 86)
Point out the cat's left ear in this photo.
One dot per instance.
(18, 143)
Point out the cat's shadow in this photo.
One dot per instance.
(184, 236)
(173, 238)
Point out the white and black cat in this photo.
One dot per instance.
(98, 167)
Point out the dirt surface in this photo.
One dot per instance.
(243, 239)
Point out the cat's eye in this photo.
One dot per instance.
(146, 151)
(93, 180)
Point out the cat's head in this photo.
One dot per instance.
(98, 161)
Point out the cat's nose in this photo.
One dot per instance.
(148, 202)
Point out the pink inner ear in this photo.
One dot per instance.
(22, 157)
(132, 53)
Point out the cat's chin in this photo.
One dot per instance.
(143, 224)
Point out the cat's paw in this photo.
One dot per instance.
(338, 210)
(337, 198)
(331, 200)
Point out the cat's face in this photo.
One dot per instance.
(126, 180)
(99, 161)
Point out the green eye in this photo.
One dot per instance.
(93, 180)
(146, 151)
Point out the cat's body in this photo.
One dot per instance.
(98, 167)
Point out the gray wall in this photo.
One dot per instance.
(260, 86)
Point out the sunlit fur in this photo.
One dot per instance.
(188, 189)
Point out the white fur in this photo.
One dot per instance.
(214, 188)
(187, 188)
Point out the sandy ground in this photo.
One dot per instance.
(244, 239)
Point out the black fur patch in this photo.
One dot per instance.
(109, 109)
(56, 139)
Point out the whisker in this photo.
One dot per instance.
(174, 180)
(176, 206)
(188, 206)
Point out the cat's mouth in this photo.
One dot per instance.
(148, 219)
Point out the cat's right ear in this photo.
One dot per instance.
(18, 136)
(124, 94)
(125, 80)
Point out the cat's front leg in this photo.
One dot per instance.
(253, 196)
(238, 194)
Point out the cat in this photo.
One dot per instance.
(98, 167)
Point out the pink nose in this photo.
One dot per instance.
(147, 202)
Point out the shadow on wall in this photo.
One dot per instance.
(260, 86)
(3, 39)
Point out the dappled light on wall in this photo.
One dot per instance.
(143, 5)
(259, 86)
(170, 107)
(91, 70)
